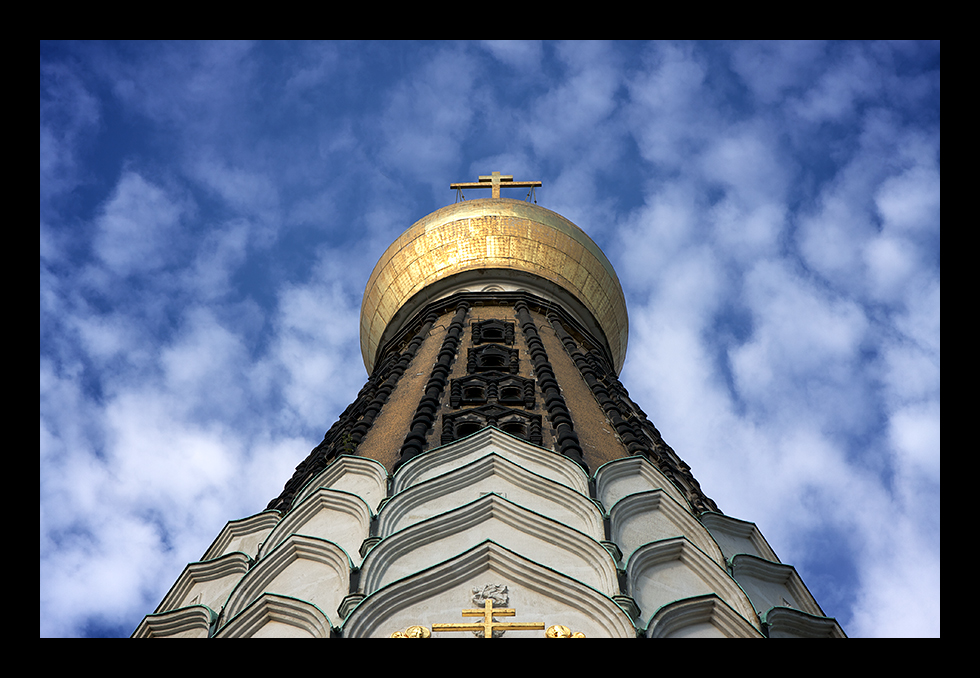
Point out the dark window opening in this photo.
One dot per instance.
(473, 393)
(514, 428)
(466, 428)
(492, 361)
(511, 393)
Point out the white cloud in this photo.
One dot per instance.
(747, 233)
(139, 227)
(671, 113)
(836, 94)
(572, 113)
(773, 67)
(744, 159)
(69, 114)
(900, 592)
(428, 113)
(914, 434)
(668, 223)
(220, 254)
(909, 202)
(247, 192)
(797, 329)
(524, 55)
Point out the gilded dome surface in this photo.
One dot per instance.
(496, 235)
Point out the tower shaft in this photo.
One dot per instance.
(493, 463)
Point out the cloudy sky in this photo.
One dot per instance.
(210, 214)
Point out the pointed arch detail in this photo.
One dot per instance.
(771, 585)
(439, 593)
(206, 583)
(311, 569)
(491, 440)
(486, 475)
(665, 571)
(700, 617)
(243, 535)
(638, 519)
(186, 622)
(341, 517)
(736, 536)
(360, 476)
(276, 616)
(533, 536)
(630, 475)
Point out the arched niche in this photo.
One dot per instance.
(769, 585)
(535, 459)
(491, 474)
(206, 583)
(700, 617)
(276, 616)
(440, 593)
(638, 519)
(533, 536)
(363, 477)
(187, 622)
(736, 536)
(784, 622)
(310, 569)
(631, 475)
(243, 535)
(666, 571)
(340, 517)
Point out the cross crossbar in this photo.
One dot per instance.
(488, 625)
(494, 181)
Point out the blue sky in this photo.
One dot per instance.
(210, 214)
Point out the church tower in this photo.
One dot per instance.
(493, 478)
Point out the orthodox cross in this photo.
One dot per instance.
(494, 182)
(488, 625)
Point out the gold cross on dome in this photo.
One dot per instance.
(494, 182)
(488, 625)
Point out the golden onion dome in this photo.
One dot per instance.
(487, 244)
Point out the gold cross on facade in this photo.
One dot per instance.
(488, 625)
(494, 182)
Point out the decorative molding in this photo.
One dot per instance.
(691, 573)
(700, 617)
(558, 412)
(785, 622)
(622, 477)
(492, 358)
(364, 477)
(434, 595)
(770, 584)
(491, 473)
(515, 422)
(276, 616)
(654, 515)
(324, 583)
(425, 414)
(187, 622)
(733, 535)
(426, 543)
(326, 514)
(243, 535)
(457, 454)
(491, 387)
(204, 577)
(493, 330)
